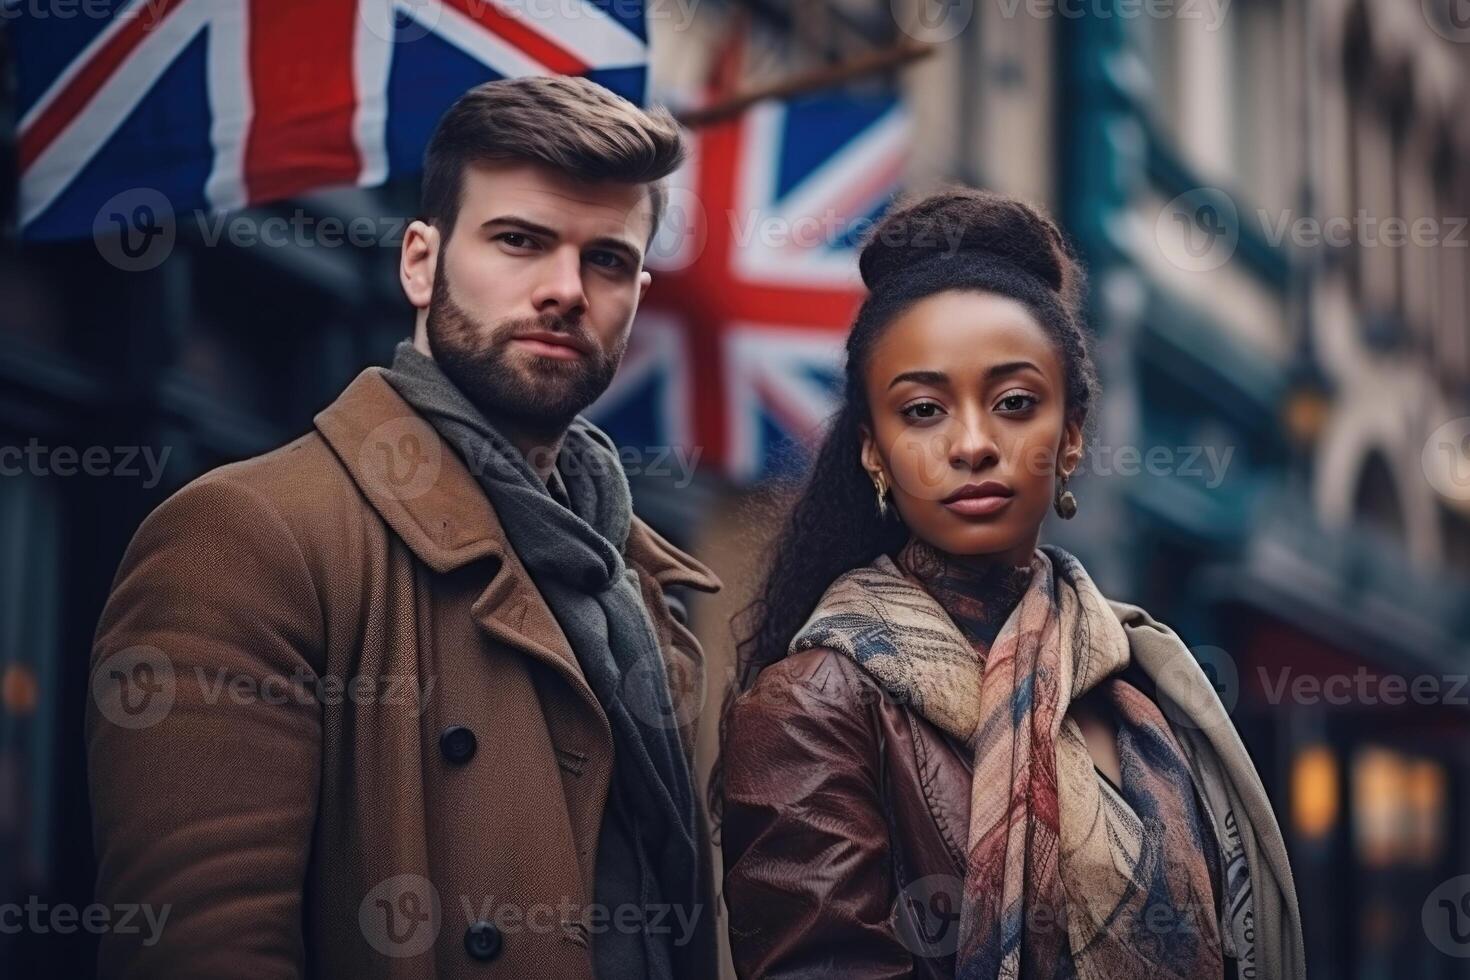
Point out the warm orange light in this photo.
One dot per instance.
(1400, 803)
(18, 690)
(1314, 792)
(1378, 789)
(1426, 803)
(1305, 414)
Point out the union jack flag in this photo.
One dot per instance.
(736, 353)
(220, 104)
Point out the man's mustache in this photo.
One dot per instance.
(551, 323)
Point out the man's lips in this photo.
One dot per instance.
(975, 499)
(549, 344)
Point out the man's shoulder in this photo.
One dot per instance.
(665, 562)
(300, 487)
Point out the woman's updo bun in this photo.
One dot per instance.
(962, 219)
(960, 238)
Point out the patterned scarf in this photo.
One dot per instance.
(1066, 875)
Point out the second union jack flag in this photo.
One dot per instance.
(737, 349)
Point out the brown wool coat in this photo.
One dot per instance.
(287, 641)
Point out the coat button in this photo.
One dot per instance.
(483, 941)
(458, 744)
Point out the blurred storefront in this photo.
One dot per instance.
(1321, 577)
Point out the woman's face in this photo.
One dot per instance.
(968, 400)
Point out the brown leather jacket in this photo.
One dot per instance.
(846, 815)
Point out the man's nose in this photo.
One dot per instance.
(559, 286)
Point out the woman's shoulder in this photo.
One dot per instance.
(817, 677)
(1141, 627)
(868, 611)
(866, 616)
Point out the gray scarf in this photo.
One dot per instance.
(647, 854)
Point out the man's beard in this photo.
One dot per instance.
(535, 394)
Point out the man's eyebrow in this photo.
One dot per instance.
(632, 252)
(524, 224)
(940, 378)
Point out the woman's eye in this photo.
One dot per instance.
(922, 410)
(1017, 402)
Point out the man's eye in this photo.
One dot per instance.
(515, 239)
(607, 260)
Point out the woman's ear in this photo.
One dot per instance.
(869, 457)
(1071, 454)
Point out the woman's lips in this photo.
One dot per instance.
(979, 499)
(978, 506)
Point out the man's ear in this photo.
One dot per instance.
(416, 260)
(645, 279)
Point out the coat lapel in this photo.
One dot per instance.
(428, 497)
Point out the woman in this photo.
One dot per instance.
(952, 755)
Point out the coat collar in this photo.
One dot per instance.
(426, 494)
(433, 503)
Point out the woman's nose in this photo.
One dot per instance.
(973, 446)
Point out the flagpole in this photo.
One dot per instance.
(828, 76)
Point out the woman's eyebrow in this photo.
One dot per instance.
(1010, 367)
(940, 378)
(921, 377)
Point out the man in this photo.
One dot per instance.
(405, 697)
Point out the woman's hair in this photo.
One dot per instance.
(955, 239)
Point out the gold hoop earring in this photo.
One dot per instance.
(1065, 502)
(880, 484)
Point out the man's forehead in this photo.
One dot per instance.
(554, 199)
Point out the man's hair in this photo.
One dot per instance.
(564, 122)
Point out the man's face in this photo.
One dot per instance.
(535, 289)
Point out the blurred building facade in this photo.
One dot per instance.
(1251, 193)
